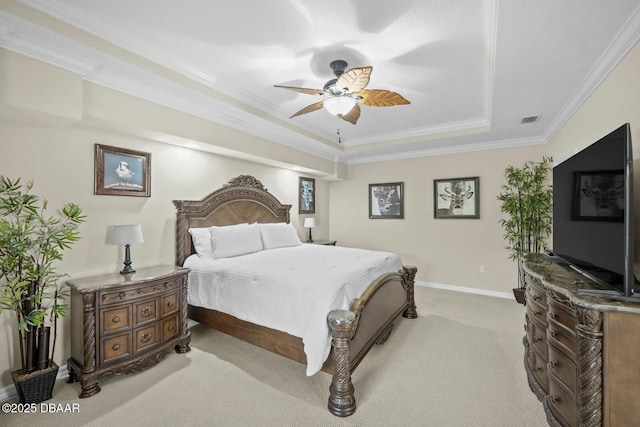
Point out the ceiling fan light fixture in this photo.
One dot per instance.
(339, 105)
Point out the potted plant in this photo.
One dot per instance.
(527, 199)
(30, 245)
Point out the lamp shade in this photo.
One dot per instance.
(309, 222)
(339, 105)
(127, 234)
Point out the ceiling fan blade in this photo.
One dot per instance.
(353, 115)
(381, 98)
(303, 90)
(309, 109)
(355, 79)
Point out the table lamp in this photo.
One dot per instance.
(309, 223)
(126, 235)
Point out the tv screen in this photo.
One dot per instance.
(592, 212)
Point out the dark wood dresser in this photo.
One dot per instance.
(582, 352)
(126, 323)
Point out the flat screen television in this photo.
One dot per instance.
(593, 215)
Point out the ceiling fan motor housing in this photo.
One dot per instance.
(338, 66)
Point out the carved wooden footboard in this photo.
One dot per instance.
(369, 320)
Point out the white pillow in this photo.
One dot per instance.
(235, 240)
(201, 238)
(279, 235)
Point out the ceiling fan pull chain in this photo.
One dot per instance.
(338, 130)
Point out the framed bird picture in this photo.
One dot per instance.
(122, 172)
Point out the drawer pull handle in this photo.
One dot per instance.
(146, 337)
(116, 347)
(537, 339)
(554, 399)
(172, 327)
(537, 312)
(116, 319)
(552, 364)
(122, 295)
(170, 304)
(536, 297)
(552, 333)
(539, 368)
(146, 312)
(553, 315)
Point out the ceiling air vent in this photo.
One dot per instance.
(530, 119)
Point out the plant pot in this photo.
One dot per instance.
(37, 386)
(519, 294)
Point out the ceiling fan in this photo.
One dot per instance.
(345, 91)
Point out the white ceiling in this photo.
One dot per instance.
(472, 69)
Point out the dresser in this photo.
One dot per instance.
(122, 324)
(582, 352)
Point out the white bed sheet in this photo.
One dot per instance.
(289, 289)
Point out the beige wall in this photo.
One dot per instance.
(446, 251)
(60, 161)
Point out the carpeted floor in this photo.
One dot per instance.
(459, 364)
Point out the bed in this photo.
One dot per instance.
(353, 327)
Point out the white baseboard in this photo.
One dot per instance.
(496, 294)
(9, 392)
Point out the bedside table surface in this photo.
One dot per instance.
(323, 242)
(112, 280)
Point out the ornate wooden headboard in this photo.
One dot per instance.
(242, 199)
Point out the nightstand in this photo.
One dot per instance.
(324, 242)
(122, 324)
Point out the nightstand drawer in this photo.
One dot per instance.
(169, 303)
(561, 403)
(146, 311)
(135, 292)
(169, 327)
(114, 348)
(115, 319)
(145, 337)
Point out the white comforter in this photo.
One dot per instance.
(289, 289)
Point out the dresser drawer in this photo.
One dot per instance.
(538, 339)
(145, 337)
(536, 295)
(536, 290)
(170, 327)
(538, 366)
(145, 311)
(562, 337)
(563, 368)
(537, 312)
(561, 403)
(115, 319)
(115, 348)
(169, 303)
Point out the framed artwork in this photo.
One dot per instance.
(598, 196)
(306, 195)
(456, 198)
(122, 172)
(386, 201)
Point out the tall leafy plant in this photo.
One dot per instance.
(30, 245)
(527, 200)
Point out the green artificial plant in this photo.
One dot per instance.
(30, 245)
(527, 200)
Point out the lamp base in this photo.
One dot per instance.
(309, 240)
(127, 261)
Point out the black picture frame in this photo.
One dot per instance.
(598, 196)
(456, 198)
(386, 200)
(306, 195)
(121, 172)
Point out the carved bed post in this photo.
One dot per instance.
(342, 401)
(408, 281)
